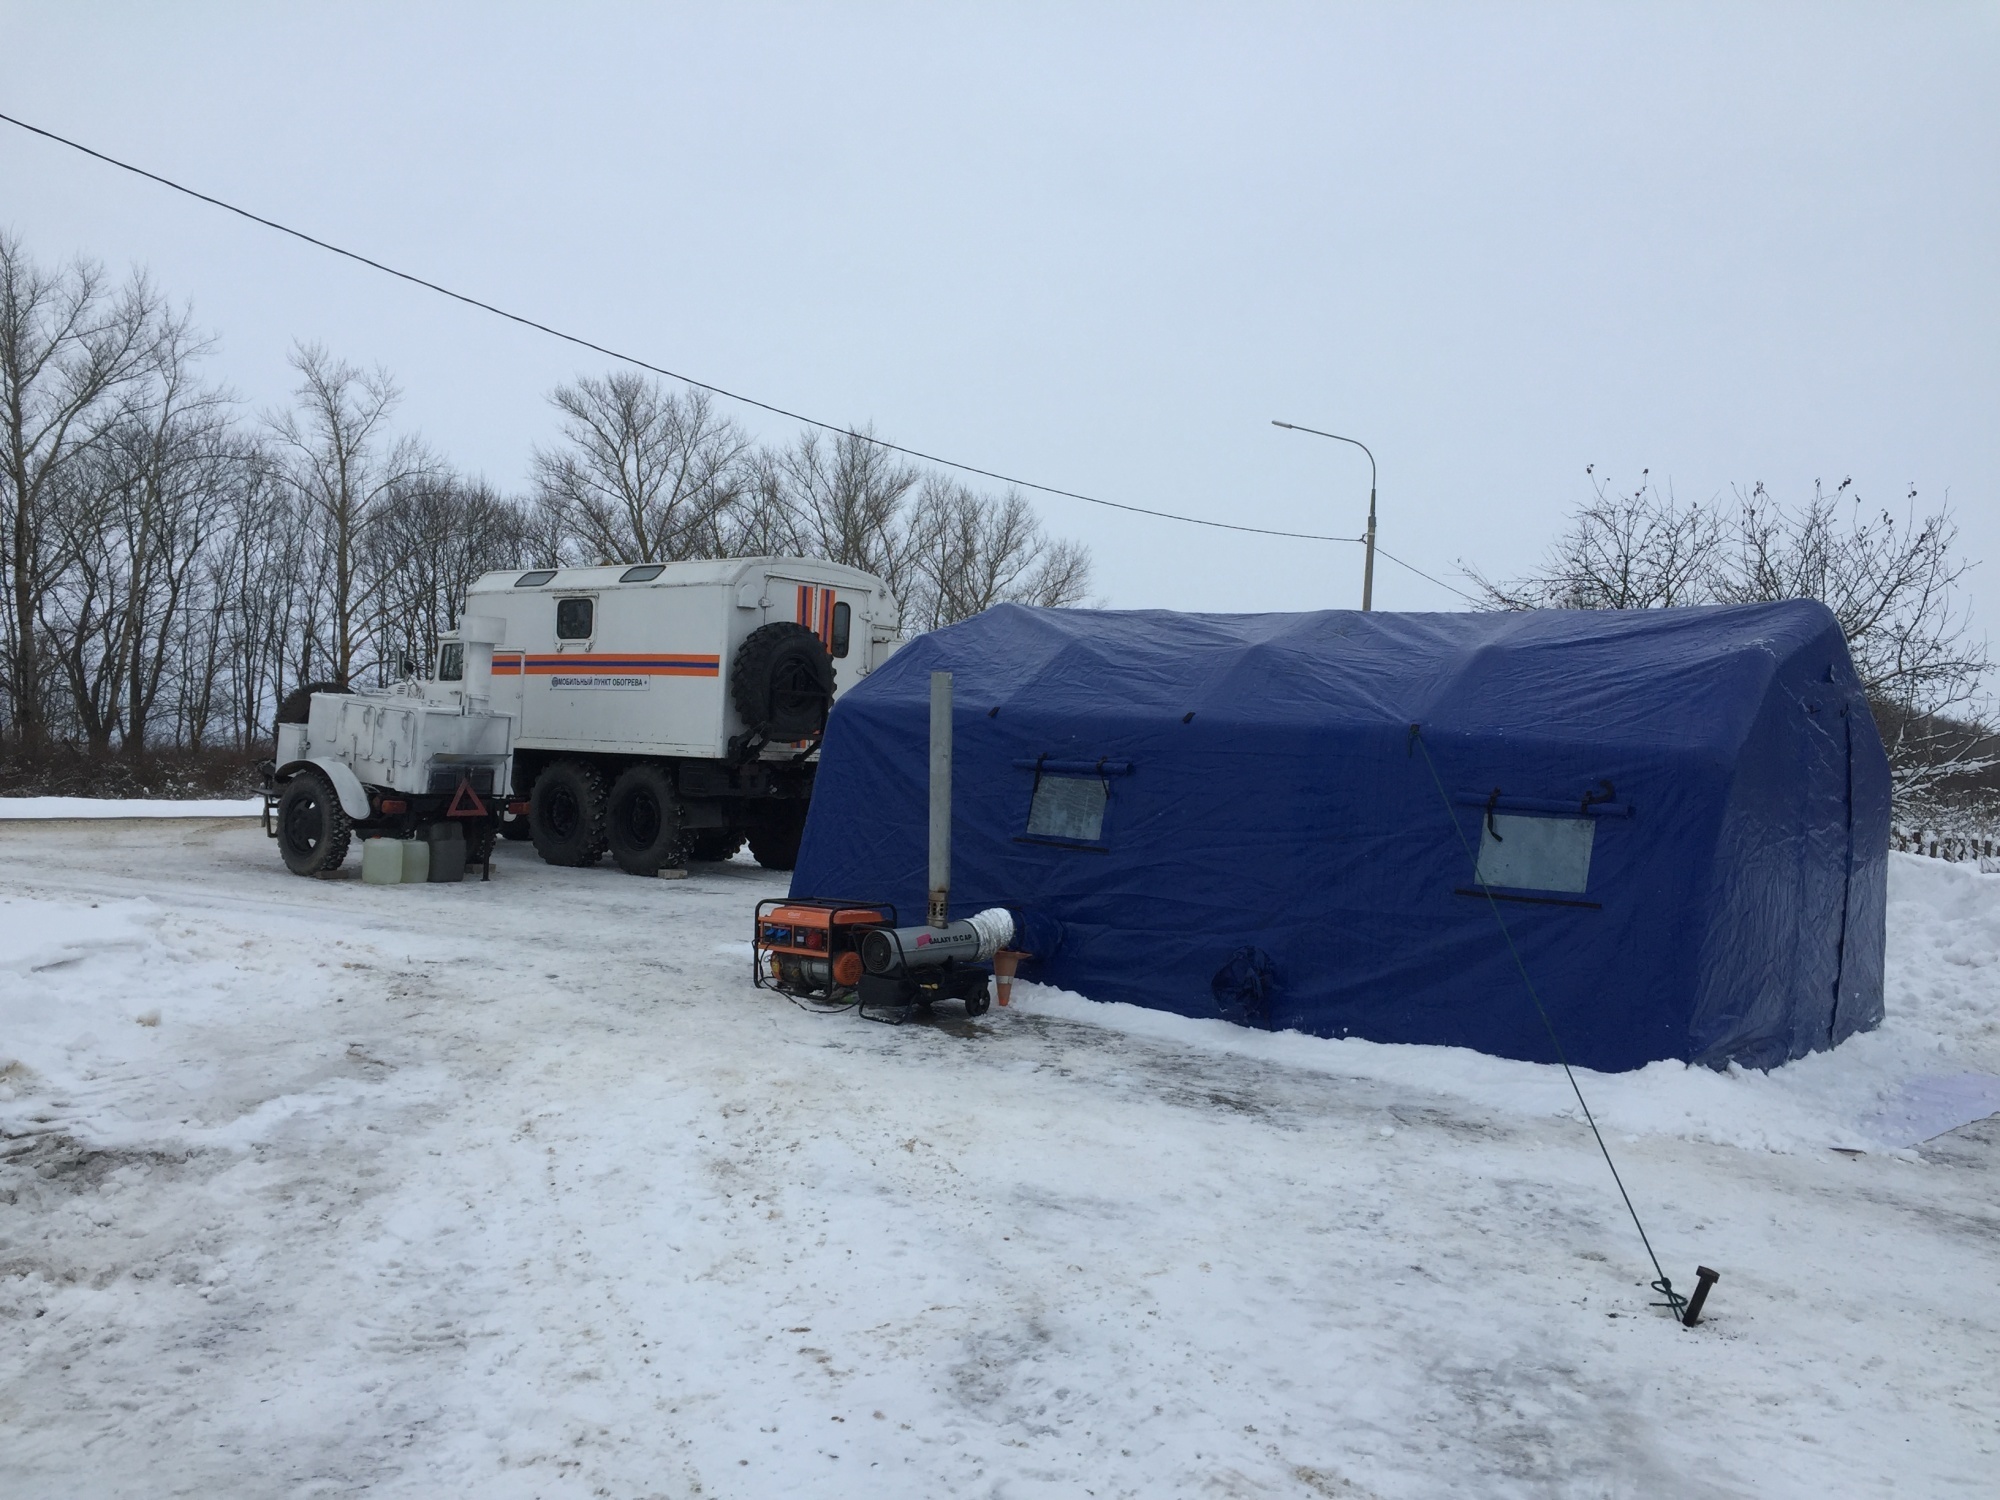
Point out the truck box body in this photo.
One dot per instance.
(635, 661)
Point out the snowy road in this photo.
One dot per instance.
(522, 1190)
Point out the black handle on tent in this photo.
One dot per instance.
(1491, 803)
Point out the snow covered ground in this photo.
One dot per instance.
(520, 1189)
(114, 807)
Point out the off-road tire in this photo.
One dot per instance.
(643, 819)
(712, 844)
(313, 830)
(566, 814)
(298, 702)
(776, 843)
(782, 681)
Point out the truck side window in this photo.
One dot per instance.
(575, 619)
(843, 624)
(451, 662)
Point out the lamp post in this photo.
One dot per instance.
(1368, 567)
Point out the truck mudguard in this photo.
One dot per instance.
(353, 800)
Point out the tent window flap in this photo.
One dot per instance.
(1070, 808)
(1527, 853)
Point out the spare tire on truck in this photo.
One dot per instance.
(297, 703)
(782, 681)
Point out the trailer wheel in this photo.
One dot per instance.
(782, 681)
(776, 843)
(644, 820)
(712, 843)
(566, 814)
(313, 831)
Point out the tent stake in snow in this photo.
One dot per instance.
(1705, 1279)
(1674, 1302)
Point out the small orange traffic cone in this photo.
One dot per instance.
(1005, 962)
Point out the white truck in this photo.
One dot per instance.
(661, 711)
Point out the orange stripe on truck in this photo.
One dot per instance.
(668, 664)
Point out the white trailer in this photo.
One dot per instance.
(663, 710)
(418, 759)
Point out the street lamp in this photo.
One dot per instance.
(1368, 567)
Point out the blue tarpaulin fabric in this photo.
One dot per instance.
(1683, 813)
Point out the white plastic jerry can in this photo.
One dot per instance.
(382, 861)
(416, 861)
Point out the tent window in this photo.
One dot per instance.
(1070, 808)
(1526, 853)
(451, 662)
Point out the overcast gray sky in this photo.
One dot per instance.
(1102, 246)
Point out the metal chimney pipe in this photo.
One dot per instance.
(940, 890)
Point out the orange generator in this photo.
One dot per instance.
(811, 950)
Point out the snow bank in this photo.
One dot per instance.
(133, 807)
(1934, 1063)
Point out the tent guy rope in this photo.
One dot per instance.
(1674, 1302)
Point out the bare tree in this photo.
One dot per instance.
(846, 497)
(69, 345)
(1639, 550)
(969, 552)
(434, 537)
(643, 475)
(343, 462)
(1893, 584)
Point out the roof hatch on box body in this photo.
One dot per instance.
(1683, 815)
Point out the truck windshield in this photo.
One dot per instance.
(451, 662)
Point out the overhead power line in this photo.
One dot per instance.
(633, 359)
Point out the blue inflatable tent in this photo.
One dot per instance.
(1682, 815)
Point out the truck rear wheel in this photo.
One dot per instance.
(712, 843)
(644, 820)
(566, 814)
(313, 830)
(776, 843)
